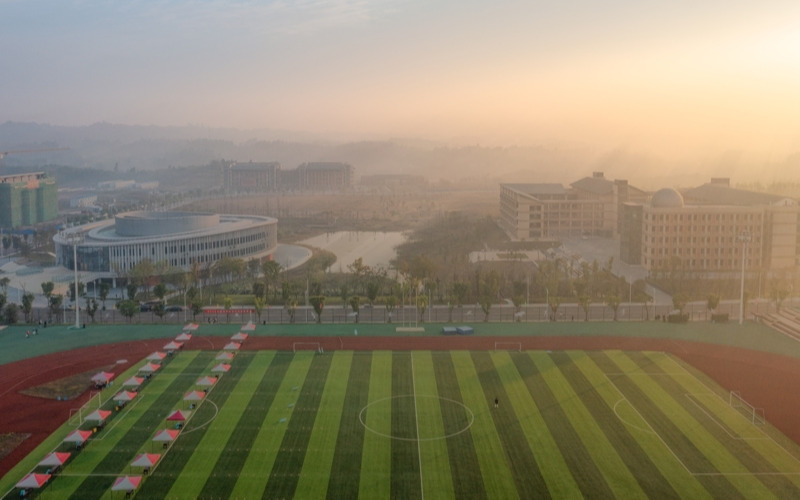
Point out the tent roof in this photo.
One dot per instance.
(149, 367)
(249, 327)
(98, 415)
(179, 415)
(124, 396)
(232, 346)
(166, 435)
(222, 367)
(156, 356)
(173, 345)
(206, 381)
(133, 381)
(102, 377)
(77, 436)
(225, 356)
(194, 396)
(146, 460)
(190, 326)
(33, 481)
(126, 483)
(239, 336)
(55, 458)
(184, 337)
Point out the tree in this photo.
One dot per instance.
(318, 303)
(102, 291)
(271, 270)
(344, 293)
(47, 289)
(779, 294)
(160, 310)
(713, 301)
(258, 306)
(291, 308)
(131, 288)
(160, 291)
(71, 291)
(355, 304)
(679, 301)
(4, 282)
(614, 301)
(489, 288)
(227, 303)
(259, 290)
(2, 301)
(422, 306)
(391, 303)
(91, 308)
(128, 308)
(10, 313)
(27, 306)
(54, 305)
(585, 301)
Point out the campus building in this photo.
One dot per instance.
(27, 199)
(590, 206)
(269, 177)
(705, 229)
(179, 239)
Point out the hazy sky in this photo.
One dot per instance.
(668, 75)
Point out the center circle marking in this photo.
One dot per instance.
(470, 417)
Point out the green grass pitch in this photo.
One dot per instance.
(421, 424)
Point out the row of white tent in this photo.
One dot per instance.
(129, 483)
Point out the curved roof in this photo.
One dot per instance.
(667, 198)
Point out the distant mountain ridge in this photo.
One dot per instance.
(124, 148)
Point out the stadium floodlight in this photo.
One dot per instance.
(744, 238)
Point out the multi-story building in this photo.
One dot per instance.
(551, 211)
(705, 229)
(252, 177)
(268, 177)
(27, 199)
(180, 239)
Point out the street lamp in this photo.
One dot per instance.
(744, 238)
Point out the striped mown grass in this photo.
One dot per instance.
(413, 424)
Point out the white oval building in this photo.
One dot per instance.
(178, 238)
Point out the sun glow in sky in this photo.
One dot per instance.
(672, 77)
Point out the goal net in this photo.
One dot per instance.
(753, 414)
(76, 414)
(307, 346)
(508, 346)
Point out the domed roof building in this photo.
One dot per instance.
(667, 198)
(179, 239)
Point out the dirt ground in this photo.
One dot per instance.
(764, 380)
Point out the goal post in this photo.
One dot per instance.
(755, 415)
(508, 346)
(86, 408)
(307, 346)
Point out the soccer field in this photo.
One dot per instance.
(418, 424)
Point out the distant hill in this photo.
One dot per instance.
(127, 149)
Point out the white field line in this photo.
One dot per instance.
(650, 427)
(416, 425)
(672, 452)
(760, 429)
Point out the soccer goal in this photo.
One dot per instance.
(76, 414)
(755, 415)
(307, 346)
(508, 346)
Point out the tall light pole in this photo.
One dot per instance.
(75, 238)
(744, 238)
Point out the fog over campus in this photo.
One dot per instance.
(660, 94)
